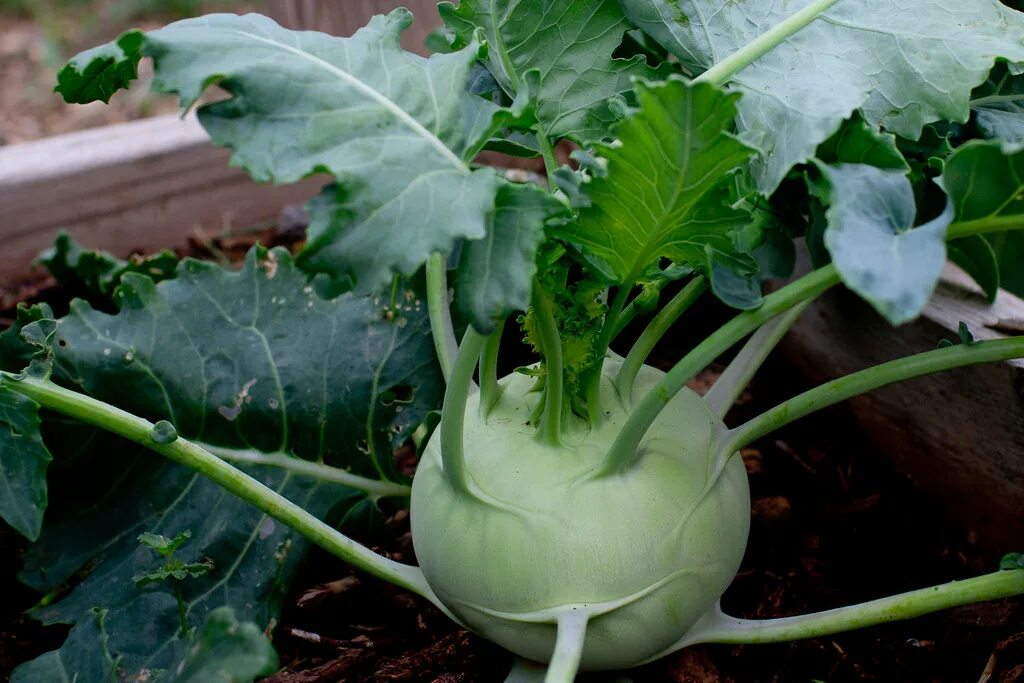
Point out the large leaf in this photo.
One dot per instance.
(986, 180)
(495, 274)
(667, 189)
(253, 359)
(874, 244)
(23, 463)
(904, 63)
(394, 129)
(225, 651)
(998, 105)
(570, 42)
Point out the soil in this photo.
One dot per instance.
(832, 524)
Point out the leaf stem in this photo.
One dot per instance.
(728, 387)
(453, 414)
(982, 226)
(550, 428)
(655, 330)
(724, 70)
(179, 595)
(315, 470)
(550, 159)
(565, 660)
(604, 340)
(870, 379)
(184, 452)
(717, 627)
(624, 450)
(490, 391)
(441, 327)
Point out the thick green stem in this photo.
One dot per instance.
(655, 330)
(441, 327)
(143, 432)
(547, 151)
(720, 628)
(624, 451)
(453, 414)
(490, 391)
(315, 470)
(748, 361)
(982, 226)
(873, 378)
(565, 660)
(727, 68)
(604, 340)
(629, 313)
(550, 429)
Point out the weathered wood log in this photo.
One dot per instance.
(139, 186)
(959, 436)
(344, 17)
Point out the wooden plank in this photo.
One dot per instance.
(143, 186)
(344, 17)
(958, 435)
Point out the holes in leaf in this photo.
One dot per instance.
(400, 394)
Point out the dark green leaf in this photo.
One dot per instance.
(225, 651)
(986, 181)
(874, 244)
(964, 333)
(93, 275)
(496, 273)
(571, 43)
(998, 105)
(23, 463)
(97, 74)
(1012, 561)
(90, 637)
(667, 190)
(1009, 248)
(858, 142)
(902, 64)
(237, 360)
(975, 255)
(395, 130)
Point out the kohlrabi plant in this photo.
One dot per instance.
(586, 510)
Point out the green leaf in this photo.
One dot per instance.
(23, 463)
(93, 275)
(986, 181)
(1012, 561)
(570, 42)
(902, 64)
(496, 273)
(163, 545)
(395, 130)
(965, 335)
(998, 105)
(858, 142)
(100, 72)
(979, 260)
(667, 190)
(225, 651)
(238, 360)
(91, 637)
(874, 244)
(1009, 249)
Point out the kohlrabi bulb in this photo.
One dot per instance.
(651, 550)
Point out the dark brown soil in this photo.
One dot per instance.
(832, 524)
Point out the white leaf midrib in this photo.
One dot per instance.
(370, 92)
